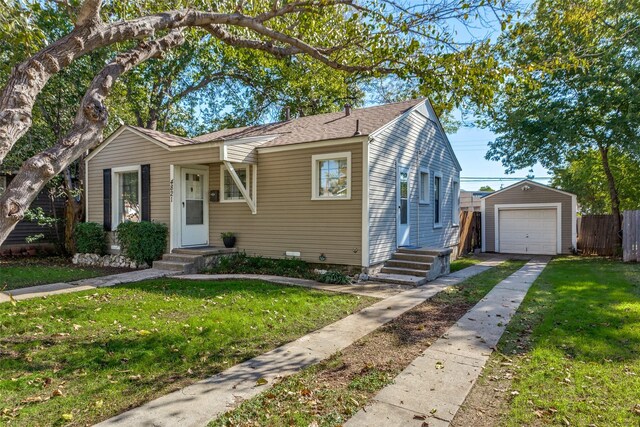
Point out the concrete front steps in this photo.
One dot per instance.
(191, 260)
(414, 266)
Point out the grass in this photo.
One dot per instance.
(329, 393)
(83, 357)
(576, 346)
(465, 262)
(24, 273)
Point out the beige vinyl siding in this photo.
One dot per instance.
(243, 153)
(287, 218)
(535, 194)
(131, 149)
(414, 142)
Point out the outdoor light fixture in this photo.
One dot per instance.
(525, 188)
(322, 257)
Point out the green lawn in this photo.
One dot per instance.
(329, 393)
(24, 273)
(461, 263)
(580, 329)
(90, 355)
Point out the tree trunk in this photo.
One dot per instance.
(85, 134)
(613, 191)
(74, 210)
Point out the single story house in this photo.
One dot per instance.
(340, 188)
(529, 218)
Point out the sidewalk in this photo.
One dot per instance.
(434, 386)
(83, 285)
(202, 402)
(367, 289)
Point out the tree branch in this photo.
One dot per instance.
(89, 13)
(85, 133)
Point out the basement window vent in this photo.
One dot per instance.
(292, 253)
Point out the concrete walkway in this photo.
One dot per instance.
(369, 289)
(434, 386)
(83, 285)
(202, 402)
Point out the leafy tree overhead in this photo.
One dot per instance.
(585, 177)
(486, 188)
(574, 87)
(358, 40)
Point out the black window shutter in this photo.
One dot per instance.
(106, 199)
(146, 197)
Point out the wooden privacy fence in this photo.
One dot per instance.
(470, 232)
(597, 235)
(631, 236)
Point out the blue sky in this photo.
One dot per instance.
(470, 143)
(470, 146)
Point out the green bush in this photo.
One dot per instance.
(90, 238)
(241, 263)
(142, 241)
(334, 277)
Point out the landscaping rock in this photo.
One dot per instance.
(111, 260)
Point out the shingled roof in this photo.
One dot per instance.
(320, 127)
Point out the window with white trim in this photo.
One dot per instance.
(425, 186)
(331, 176)
(126, 186)
(437, 201)
(455, 205)
(230, 191)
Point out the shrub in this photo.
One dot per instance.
(334, 277)
(90, 238)
(241, 263)
(142, 241)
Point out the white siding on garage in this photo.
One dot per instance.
(416, 142)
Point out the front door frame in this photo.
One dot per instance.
(403, 234)
(175, 200)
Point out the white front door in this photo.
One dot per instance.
(402, 186)
(528, 231)
(194, 209)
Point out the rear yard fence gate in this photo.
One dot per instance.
(631, 236)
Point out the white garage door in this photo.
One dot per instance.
(528, 231)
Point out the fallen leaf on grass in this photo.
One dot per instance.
(99, 403)
(33, 399)
(57, 392)
(261, 381)
(143, 332)
(135, 377)
(636, 409)
(67, 417)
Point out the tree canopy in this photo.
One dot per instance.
(155, 63)
(573, 87)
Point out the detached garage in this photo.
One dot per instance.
(529, 218)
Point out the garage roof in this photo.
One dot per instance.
(527, 181)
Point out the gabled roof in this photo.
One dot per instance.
(320, 127)
(527, 181)
(361, 122)
(166, 138)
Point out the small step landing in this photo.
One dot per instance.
(190, 260)
(414, 266)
